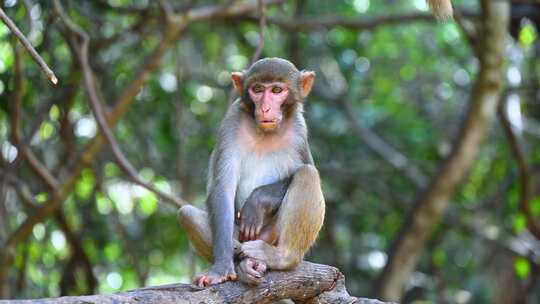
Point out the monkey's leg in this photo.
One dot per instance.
(197, 225)
(299, 220)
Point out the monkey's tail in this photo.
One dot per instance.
(442, 9)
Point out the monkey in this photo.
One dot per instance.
(441, 9)
(265, 205)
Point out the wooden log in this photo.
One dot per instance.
(309, 283)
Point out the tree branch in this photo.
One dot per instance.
(262, 28)
(15, 30)
(305, 24)
(308, 283)
(16, 113)
(524, 169)
(81, 54)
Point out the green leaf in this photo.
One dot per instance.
(6, 56)
(112, 251)
(111, 170)
(439, 257)
(46, 130)
(527, 35)
(522, 267)
(535, 206)
(85, 185)
(519, 223)
(104, 205)
(148, 203)
(41, 197)
(54, 113)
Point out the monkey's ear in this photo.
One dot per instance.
(306, 82)
(238, 79)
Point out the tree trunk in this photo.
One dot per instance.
(433, 201)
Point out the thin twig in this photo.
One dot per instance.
(15, 30)
(262, 28)
(524, 169)
(97, 108)
(16, 113)
(257, 54)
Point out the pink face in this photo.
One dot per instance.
(268, 98)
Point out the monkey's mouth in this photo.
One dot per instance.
(269, 124)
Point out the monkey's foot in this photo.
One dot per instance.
(251, 271)
(215, 275)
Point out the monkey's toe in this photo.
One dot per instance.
(251, 271)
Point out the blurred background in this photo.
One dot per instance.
(426, 135)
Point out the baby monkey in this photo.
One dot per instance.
(265, 204)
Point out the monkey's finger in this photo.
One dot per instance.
(253, 232)
(200, 281)
(253, 272)
(244, 232)
(248, 232)
(242, 227)
(258, 230)
(249, 279)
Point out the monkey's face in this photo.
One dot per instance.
(270, 90)
(268, 97)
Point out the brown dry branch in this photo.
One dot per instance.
(28, 46)
(81, 54)
(305, 24)
(433, 201)
(308, 283)
(16, 114)
(262, 28)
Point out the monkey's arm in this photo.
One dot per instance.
(269, 197)
(222, 185)
(220, 204)
(261, 204)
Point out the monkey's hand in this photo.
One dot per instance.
(218, 273)
(251, 271)
(261, 204)
(255, 210)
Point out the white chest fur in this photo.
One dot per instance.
(265, 159)
(262, 169)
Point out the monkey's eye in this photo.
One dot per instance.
(257, 88)
(277, 90)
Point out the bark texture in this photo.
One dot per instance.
(433, 201)
(309, 283)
